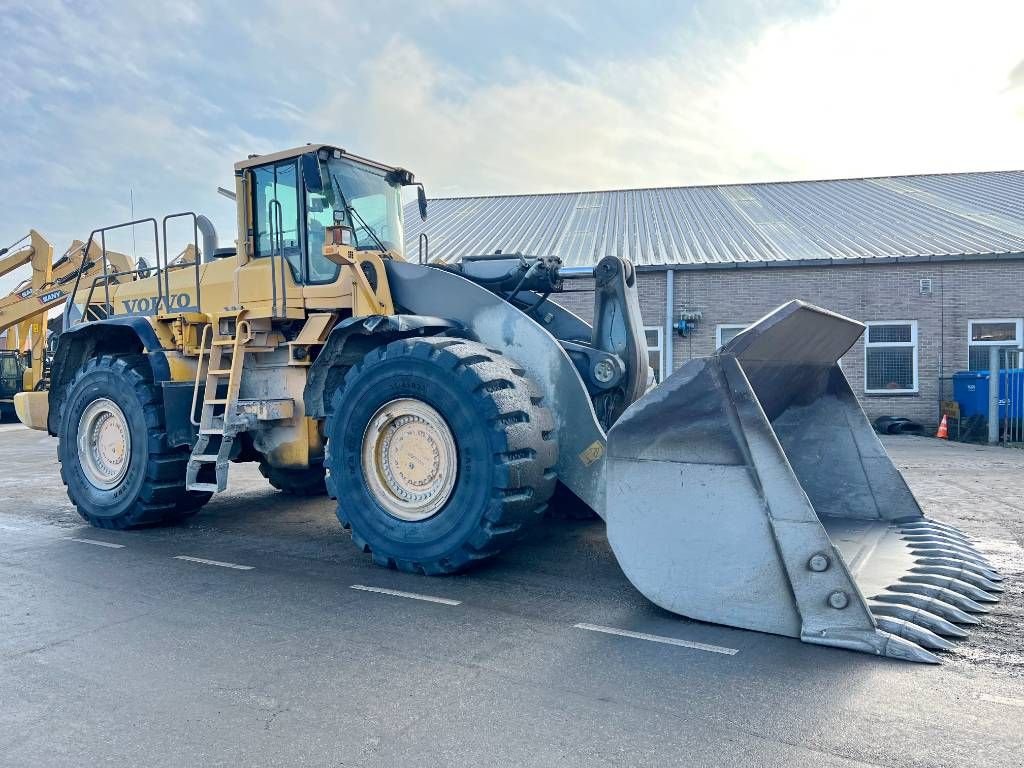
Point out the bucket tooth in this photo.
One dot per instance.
(921, 617)
(872, 640)
(930, 530)
(961, 587)
(934, 550)
(933, 524)
(986, 573)
(914, 633)
(930, 604)
(955, 585)
(924, 541)
(897, 647)
(962, 575)
(940, 593)
(934, 538)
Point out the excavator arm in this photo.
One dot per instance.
(23, 311)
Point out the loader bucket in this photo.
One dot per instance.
(749, 489)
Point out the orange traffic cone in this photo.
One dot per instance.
(943, 433)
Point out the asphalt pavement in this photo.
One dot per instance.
(257, 634)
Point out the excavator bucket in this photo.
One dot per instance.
(749, 489)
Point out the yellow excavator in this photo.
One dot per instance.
(441, 404)
(24, 311)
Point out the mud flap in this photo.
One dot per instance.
(749, 489)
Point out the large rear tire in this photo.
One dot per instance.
(113, 451)
(439, 453)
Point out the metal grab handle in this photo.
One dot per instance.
(273, 233)
(196, 263)
(208, 328)
(103, 245)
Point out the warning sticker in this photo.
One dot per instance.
(593, 452)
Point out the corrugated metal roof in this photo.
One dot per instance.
(897, 216)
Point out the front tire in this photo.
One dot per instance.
(113, 451)
(439, 454)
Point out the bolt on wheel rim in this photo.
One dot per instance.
(409, 459)
(104, 443)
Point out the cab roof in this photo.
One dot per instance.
(256, 160)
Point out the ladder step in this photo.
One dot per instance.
(219, 372)
(224, 343)
(217, 401)
(208, 487)
(205, 458)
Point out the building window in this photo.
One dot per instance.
(655, 349)
(726, 333)
(982, 334)
(890, 357)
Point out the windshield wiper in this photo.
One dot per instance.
(353, 212)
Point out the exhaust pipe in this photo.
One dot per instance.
(210, 241)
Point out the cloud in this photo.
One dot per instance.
(866, 88)
(155, 101)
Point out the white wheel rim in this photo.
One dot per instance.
(409, 459)
(104, 443)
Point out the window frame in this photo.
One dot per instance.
(1018, 343)
(300, 212)
(727, 327)
(660, 349)
(913, 344)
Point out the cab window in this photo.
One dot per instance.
(319, 216)
(277, 213)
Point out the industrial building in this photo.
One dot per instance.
(933, 264)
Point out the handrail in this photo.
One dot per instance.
(284, 262)
(102, 232)
(424, 246)
(276, 234)
(195, 245)
(199, 371)
(161, 256)
(271, 230)
(106, 278)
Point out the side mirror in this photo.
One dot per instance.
(421, 198)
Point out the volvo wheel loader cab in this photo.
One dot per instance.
(440, 404)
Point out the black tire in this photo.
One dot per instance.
(152, 490)
(296, 482)
(566, 505)
(505, 446)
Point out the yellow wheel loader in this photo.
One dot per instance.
(440, 404)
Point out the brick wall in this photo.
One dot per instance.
(961, 291)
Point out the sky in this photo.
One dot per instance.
(115, 105)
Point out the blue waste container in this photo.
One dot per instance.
(970, 390)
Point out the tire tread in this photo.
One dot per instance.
(525, 455)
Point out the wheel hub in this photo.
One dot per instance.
(409, 459)
(104, 443)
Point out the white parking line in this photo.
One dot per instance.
(410, 595)
(659, 639)
(94, 541)
(1008, 701)
(203, 560)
